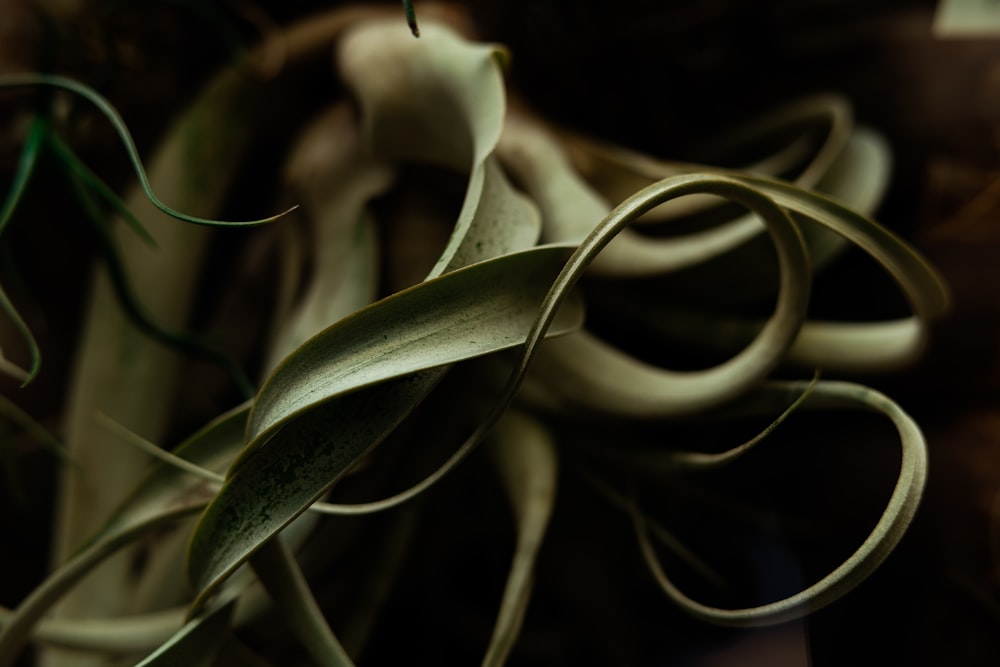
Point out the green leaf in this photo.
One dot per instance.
(197, 642)
(526, 460)
(902, 341)
(19, 629)
(10, 411)
(168, 494)
(921, 283)
(467, 313)
(441, 101)
(310, 422)
(411, 17)
(438, 100)
(75, 167)
(611, 381)
(181, 340)
(279, 572)
(573, 201)
(25, 168)
(127, 634)
(212, 447)
(334, 179)
(890, 528)
(31, 80)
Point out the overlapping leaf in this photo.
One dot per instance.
(615, 382)
(337, 395)
(166, 495)
(441, 101)
(310, 421)
(849, 165)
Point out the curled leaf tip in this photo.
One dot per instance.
(233, 223)
(279, 216)
(411, 17)
(15, 372)
(29, 376)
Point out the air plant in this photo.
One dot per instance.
(389, 306)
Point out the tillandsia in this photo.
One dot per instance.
(441, 262)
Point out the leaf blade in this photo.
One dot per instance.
(291, 458)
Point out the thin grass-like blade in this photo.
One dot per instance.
(411, 17)
(36, 431)
(120, 371)
(180, 340)
(20, 627)
(25, 168)
(167, 495)
(35, 79)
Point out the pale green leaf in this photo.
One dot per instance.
(333, 179)
(310, 421)
(889, 529)
(437, 100)
(19, 629)
(121, 372)
(197, 642)
(167, 495)
(467, 313)
(617, 172)
(25, 168)
(279, 572)
(572, 202)
(611, 381)
(923, 287)
(135, 633)
(441, 101)
(526, 460)
(212, 448)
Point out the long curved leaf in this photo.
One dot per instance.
(25, 168)
(526, 460)
(197, 642)
(333, 179)
(612, 381)
(311, 420)
(19, 628)
(127, 634)
(35, 79)
(119, 371)
(441, 101)
(168, 494)
(890, 528)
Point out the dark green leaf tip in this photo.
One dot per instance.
(105, 107)
(411, 17)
